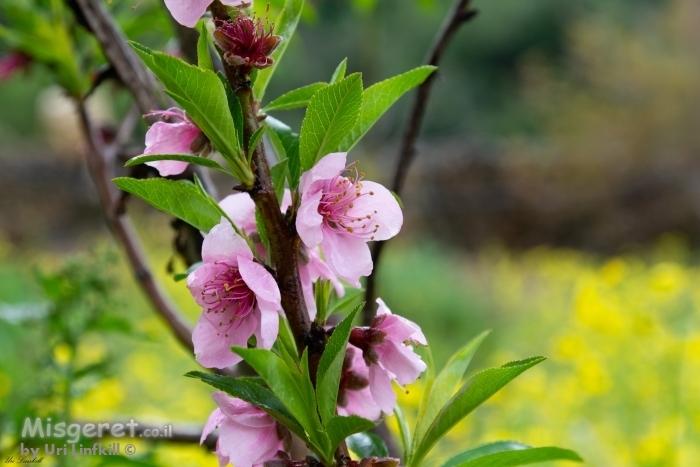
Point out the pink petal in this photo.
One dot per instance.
(362, 404)
(398, 328)
(319, 268)
(212, 349)
(241, 209)
(246, 446)
(199, 277)
(307, 286)
(268, 325)
(166, 168)
(348, 257)
(388, 216)
(286, 200)
(187, 12)
(328, 167)
(222, 243)
(381, 390)
(214, 420)
(400, 360)
(259, 280)
(241, 411)
(309, 222)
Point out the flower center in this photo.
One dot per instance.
(340, 202)
(227, 298)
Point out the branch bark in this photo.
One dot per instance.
(460, 13)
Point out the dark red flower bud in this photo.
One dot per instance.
(245, 43)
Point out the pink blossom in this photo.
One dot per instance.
(188, 12)
(239, 297)
(182, 137)
(240, 207)
(354, 397)
(342, 214)
(12, 63)
(386, 350)
(247, 435)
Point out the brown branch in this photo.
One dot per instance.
(188, 434)
(460, 13)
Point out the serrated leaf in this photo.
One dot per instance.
(444, 385)
(279, 175)
(294, 99)
(367, 444)
(203, 56)
(234, 105)
(513, 458)
(254, 394)
(255, 139)
(178, 198)
(339, 72)
(340, 428)
(285, 25)
(475, 392)
(189, 158)
(290, 143)
(379, 97)
(330, 117)
(330, 367)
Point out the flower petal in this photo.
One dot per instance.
(362, 404)
(268, 324)
(241, 209)
(213, 422)
(187, 12)
(241, 411)
(212, 349)
(222, 243)
(400, 360)
(381, 390)
(327, 167)
(348, 257)
(399, 328)
(388, 217)
(246, 446)
(309, 222)
(259, 280)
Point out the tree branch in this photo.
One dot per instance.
(460, 13)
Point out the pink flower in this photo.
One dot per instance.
(248, 436)
(385, 350)
(183, 137)
(188, 12)
(342, 214)
(239, 297)
(354, 397)
(241, 209)
(12, 63)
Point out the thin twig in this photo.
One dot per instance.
(460, 13)
(167, 433)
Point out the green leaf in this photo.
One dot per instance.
(234, 105)
(404, 430)
(322, 293)
(189, 158)
(340, 428)
(347, 301)
(285, 25)
(203, 56)
(367, 445)
(288, 348)
(379, 97)
(294, 99)
(331, 365)
(202, 95)
(339, 72)
(484, 449)
(330, 117)
(178, 198)
(290, 143)
(445, 383)
(255, 139)
(289, 387)
(475, 392)
(262, 231)
(254, 394)
(279, 174)
(519, 456)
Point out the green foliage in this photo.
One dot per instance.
(286, 144)
(367, 445)
(203, 56)
(331, 366)
(279, 173)
(339, 72)
(339, 428)
(474, 393)
(379, 97)
(294, 99)
(201, 94)
(330, 117)
(285, 25)
(509, 454)
(255, 139)
(181, 199)
(189, 158)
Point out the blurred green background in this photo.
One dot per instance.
(555, 200)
